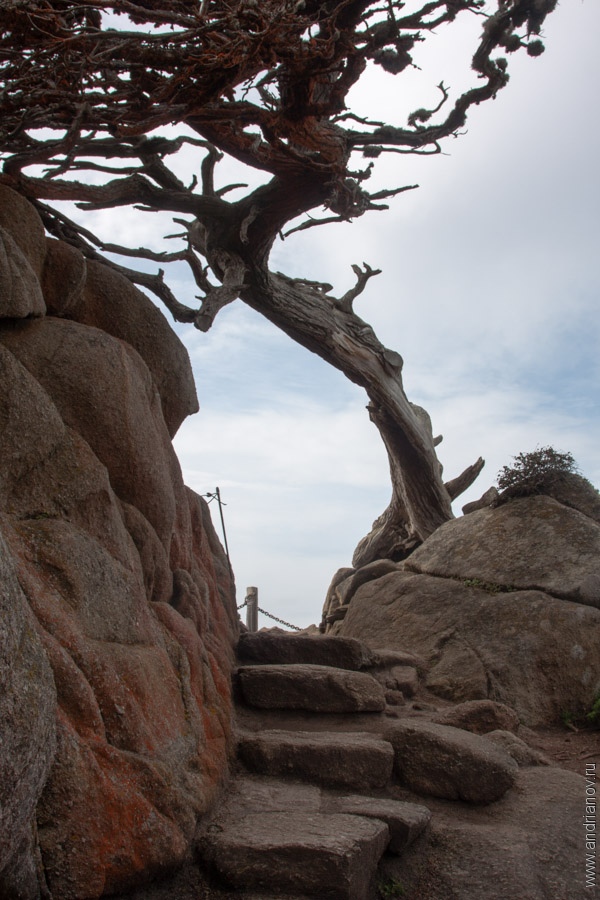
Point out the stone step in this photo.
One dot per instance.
(328, 856)
(356, 760)
(320, 689)
(251, 719)
(285, 649)
(245, 828)
(254, 793)
(405, 821)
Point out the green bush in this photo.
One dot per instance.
(535, 472)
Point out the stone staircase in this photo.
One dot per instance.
(309, 813)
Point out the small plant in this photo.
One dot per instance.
(583, 720)
(390, 889)
(593, 716)
(535, 472)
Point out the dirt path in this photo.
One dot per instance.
(565, 748)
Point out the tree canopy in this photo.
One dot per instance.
(88, 88)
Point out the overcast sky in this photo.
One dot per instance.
(489, 291)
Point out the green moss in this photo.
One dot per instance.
(490, 586)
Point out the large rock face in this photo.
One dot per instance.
(532, 543)
(503, 604)
(116, 640)
(27, 730)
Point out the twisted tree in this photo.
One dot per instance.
(88, 86)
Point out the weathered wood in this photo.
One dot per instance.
(420, 502)
(252, 608)
(459, 485)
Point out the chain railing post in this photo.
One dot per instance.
(252, 608)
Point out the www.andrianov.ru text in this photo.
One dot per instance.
(589, 820)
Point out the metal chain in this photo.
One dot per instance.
(271, 616)
(281, 621)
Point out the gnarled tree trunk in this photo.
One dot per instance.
(330, 328)
(267, 84)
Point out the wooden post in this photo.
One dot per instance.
(252, 608)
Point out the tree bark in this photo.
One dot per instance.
(420, 502)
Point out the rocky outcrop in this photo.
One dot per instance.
(344, 585)
(517, 749)
(531, 543)
(525, 649)
(19, 285)
(479, 717)
(502, 604)
(117, 639)
(111, 303)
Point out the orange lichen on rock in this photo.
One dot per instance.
(124, 586)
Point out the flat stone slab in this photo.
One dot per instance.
(347, 759)
(284, 649)
(329, 856)
(310, 687)
(451, 763)
(406, 821)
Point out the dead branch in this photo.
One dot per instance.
(462, 482)
(362, 276)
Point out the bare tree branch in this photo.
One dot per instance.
(362, 277)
